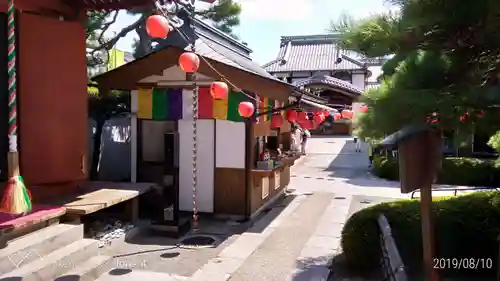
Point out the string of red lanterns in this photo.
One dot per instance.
(347, 114)
(157, 26)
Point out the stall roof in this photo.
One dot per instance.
(243, 73)
(305, 99)
(403, 134)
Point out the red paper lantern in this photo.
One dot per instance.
(310, 125)
(337, 116)
(326, 113)
(464, 117)
(291, 115)
(246, 109)
(302, 116)
(363, 109)
(347, 114)
(157, 26)
(189, 62)
(219, 90)
(318, 119)
(276, 121)
(304, 124)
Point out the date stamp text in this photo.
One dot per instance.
(462, 263)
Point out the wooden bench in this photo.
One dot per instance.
(12, 226)
(97, 196)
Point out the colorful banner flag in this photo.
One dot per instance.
(176, 104)
(145, 104)
(269, 106)
(205, 104)
(220, 109)
(160, 104)
(234, 100)
(262, 108)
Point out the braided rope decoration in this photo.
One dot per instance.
(195, 139)
(12, 79)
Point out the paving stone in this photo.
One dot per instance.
(243, 246)
(277, 256)
(333, 230)
(327, 242)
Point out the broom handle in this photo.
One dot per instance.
(12, 81)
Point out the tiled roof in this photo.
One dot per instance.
(218, 52)
(312, 53)
(209, 46)
(205, 30)
(328, 80)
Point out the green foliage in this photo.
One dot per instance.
(494, 141)
(466, 226)
(446, 58)
(454, 171)
(225, 15)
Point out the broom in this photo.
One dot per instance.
(16, 199)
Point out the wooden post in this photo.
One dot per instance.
(428, 241)
(432, 144)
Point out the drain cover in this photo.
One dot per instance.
(198, 240)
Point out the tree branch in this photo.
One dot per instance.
(108, 44)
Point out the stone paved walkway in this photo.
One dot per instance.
(277, 256)
(297, 239)
(297, 243)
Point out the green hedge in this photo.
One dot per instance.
(454, 171)
(466, 226)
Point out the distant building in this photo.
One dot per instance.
(317, 62)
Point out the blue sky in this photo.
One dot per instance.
(263, 22)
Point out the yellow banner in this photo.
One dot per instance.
(145, 104)
(220, 109)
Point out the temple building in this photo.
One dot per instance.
(318, 63)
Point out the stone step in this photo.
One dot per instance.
(56, 263)
(138, 275)
(30, 247)
(89, 270)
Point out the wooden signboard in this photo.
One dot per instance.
(419, 160)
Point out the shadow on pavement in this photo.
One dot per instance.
(267, 216)
(329, 268)
(353, 167)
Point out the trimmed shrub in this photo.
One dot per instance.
(466, 227)
(454, 171)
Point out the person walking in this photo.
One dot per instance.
(305, 136)
(370, 154)
(357, 142)
(295, 137)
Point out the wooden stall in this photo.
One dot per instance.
(228, 182)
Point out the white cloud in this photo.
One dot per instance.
(277, 9)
